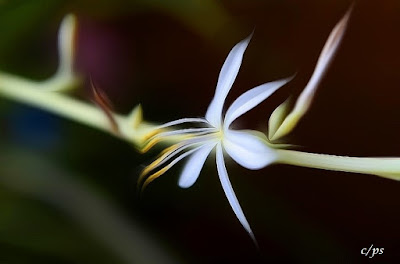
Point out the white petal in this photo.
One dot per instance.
(251, 99)
(229, 193)
(248, 150)
(226, 78)
(192, 168)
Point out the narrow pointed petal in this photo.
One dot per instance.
(251, 99)
(305, 99)
(384, 167)
(229, 193)
(226, 79)
(248, 150)
(193, 167)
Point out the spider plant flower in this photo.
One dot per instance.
(252, 149)
(248, 148)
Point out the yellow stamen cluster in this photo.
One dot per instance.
(187, 138)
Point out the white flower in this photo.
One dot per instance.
(252, 149)
(248, 148)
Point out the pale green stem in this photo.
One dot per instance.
(48, 95)
(34, 93)
(43, 95)
(384, 167)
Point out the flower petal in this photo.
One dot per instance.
(229, 193)
(248, 150)
(226, 78)
(251, 99)
(193, 167)
(304, 101)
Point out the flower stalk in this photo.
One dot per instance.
(49, 94)
(31, 93)
(384, 167)
(37, 94)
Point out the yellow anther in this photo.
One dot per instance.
(150, 144)
(170, 149)
(155, 176)
(156, 162)
(151, 134)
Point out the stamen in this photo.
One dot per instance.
(184, 131)
(166, 168)
(160, 160)
(170, 152)
(160, 128)
(182, 121)
(163, 136)
(152, 133)
(150, 144)
(165, 156)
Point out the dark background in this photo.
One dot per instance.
(166, 55)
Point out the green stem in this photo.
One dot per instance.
(44, 95)
(384, 167)
(34, 93)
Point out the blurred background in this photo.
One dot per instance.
(68, 192)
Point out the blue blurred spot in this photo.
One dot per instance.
(34, 128)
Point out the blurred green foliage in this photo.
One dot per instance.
(20, 20)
